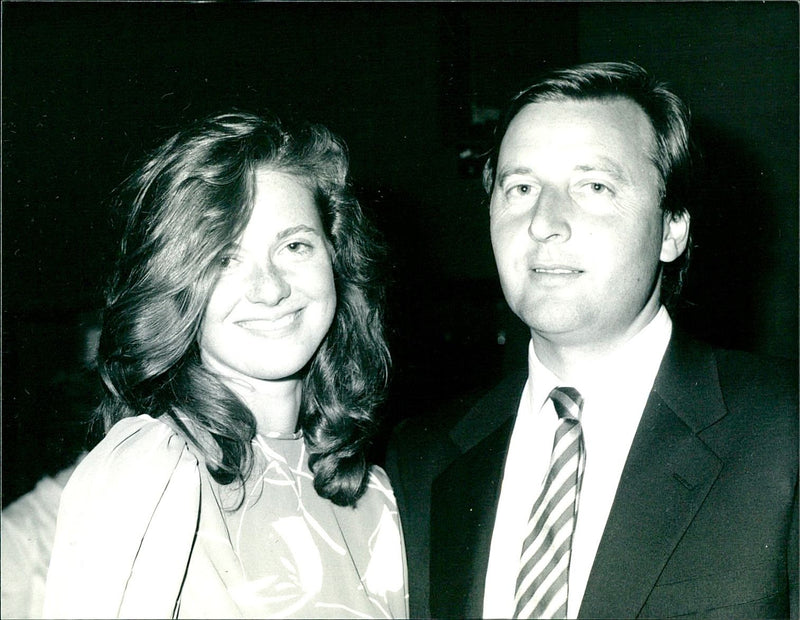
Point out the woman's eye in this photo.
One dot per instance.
(229, 260)
(298, 247)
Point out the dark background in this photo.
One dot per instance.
(88, 88)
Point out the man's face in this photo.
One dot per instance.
(576, 226)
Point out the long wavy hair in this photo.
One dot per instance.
(669, 117)
(184, 208)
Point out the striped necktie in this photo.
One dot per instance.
(543, 581)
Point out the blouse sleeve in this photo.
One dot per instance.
(387, 573)
(125, 526)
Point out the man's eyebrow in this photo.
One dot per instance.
(603, 164)
(608, 166)
(508, 172)
(300, 228)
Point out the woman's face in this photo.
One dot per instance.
(275, 298)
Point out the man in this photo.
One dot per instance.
(632, 472)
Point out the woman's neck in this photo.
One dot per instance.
(275, 404)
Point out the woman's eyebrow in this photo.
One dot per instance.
(288, 232)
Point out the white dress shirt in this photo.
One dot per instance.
(615, 394)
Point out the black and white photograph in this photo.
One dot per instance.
(400, 309)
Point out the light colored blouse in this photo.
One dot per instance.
(145, 532)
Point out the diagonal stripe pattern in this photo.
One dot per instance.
(542, 584)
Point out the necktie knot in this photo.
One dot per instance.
(567, 402)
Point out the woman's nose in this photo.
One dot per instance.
(267, 285)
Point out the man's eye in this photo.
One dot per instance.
(597, 187)
(521, 189)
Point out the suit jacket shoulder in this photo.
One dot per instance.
(694, 375)
(704, 520)
(422, 448)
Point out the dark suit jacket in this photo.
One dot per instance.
(704, 522)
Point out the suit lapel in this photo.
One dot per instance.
(668, 473)
(464, 503)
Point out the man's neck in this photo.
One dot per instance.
(572, 360)
(568, 362)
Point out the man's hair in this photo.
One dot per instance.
(185, 207)
(669, 117)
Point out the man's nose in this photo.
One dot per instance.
(267, 285)
(550, 216)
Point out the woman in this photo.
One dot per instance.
(243, 355)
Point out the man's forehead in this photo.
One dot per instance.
(625, 113)
(600, 128)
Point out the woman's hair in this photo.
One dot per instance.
(185, 207)
(668, 115)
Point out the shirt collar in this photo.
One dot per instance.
(635, 362)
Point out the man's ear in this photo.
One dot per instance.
(676, 236)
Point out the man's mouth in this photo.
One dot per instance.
(556, 270)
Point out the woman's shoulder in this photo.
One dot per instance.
(125, 476)
(379, 488)
(138, 448)
(162, 428)
(132, 503)
(142, 432)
